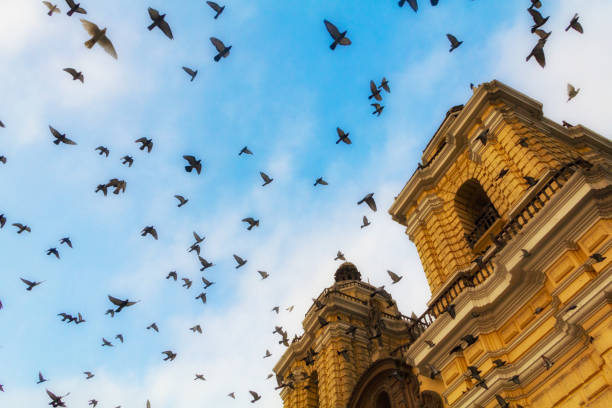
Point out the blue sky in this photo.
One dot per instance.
(282, 92)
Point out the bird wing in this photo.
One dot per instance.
(115, 301)
(189, 71)
(52, 395)
(538, 53)
(373, 88)
(340, 132)
(69, 141)
(197, 237)
(214, 6)
(570, 89)
(70, 3)
(180, 198)
(323, 182)
(191, 159)
(165, 27)
(371, 203)
(154, 14)
(238, 259)
(107, 45)
(264, 176)
(365, 220)
(393, 275)
(27, 282)
(217, 43)
(90, 27)
(254, 394)
(142, 140)
(54, 132)
(154, 233)
(71, 71)
(452, 39)
(332, 29)
(250, 220)
(537, 17)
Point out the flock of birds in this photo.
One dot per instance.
(117, 186)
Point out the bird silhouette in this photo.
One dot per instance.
(571, 92)
(88, 375)
(202, 296)
(343, 137)
(222, 50)
(31, 284)
(340, 256)
(378, 108)
(52, 8)
(145, 144)
(453, 41)
(21, 227)
(252, 222)
(366, 222)
(74, 8)
(41, 379)
(255, 396)
(170, 355)
(538, 52)
(191, 73)
(199, 377)
(369, 200)
(160, 22)
(60, 138)
(394, 277)
(205, 264)
(149, 230)
(338, 37)
(75, 75)
(187, 283)
(193, 164)
(207, 283)
(56, 401)
(66, 240)
(575, 24)
(264, 274)
(374, 92)
(538, 20)
(153, 326)
(121, 303)
(53, 251)
(218, 9)
(320, 181)
(98, 37)
(245, 150)
(267, 180)
(129, 160)
(197, 328)
(182, 200)
(239, 261)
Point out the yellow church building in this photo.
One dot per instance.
(511, 214)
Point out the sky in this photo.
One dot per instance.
(282, 92)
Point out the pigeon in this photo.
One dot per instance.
(3, 159)
(263, 274)
(93, 403)
(430, 343)
(474, 372)
(129, 160)
(269, 376)
(572, 307)
(202, 296)
(482, 136)
(52, 8)
(66, 317)
(194, 247)
(89, 375)
(343, 137)
(523, 142)
(199, 377)
(276, 309)
(207, 283)
(252, 222)
(538, 310)
(74, 8)
(412, 3)
(482, 384)
(102, 151)
(502, 173)
(187, 283)
(499, 363)
(538, 53)
(548, 363)
(454, 42)
(2, 220)
(30, 284)
(145, 144)
(159, 21)
(54, 252)
(245, 150)
(469, 339)
(111, 312)
(182, 200)
(536, 3)
(22, 227)
(339, 38)
(191, 72)
(267, 180)
(66, 241)
(55, 400)
(375, 93)
(99, 37)
(169, 355)
(322, 321)
(515, 379)
(566, 124)
(255, 396)
(290, 308)
(60, 138)
(575, 24)
(384, 84)
(457, 349)
(378, 108)
(153, 326)
(232, 395)
(571, 92)
(218, 9)
(320, 181)
(222, 50)
(530, 181)
(41, 379)
(240, 261)
(196, 328)
(450, 309)
(319, 305)
(150, 230)
(369, 200)
(394, 277)
(2, 124)
(119, 185)
(268, 354)
(75, 75)
(193, 164)
(121, 303)
(597, 257)
(366, 222)
(205, 264)
(197, 238)
(501, 401)
(340, 256)
(352, 330)
(433, 371)
(543, 34)
(106, 343)
(538, 20)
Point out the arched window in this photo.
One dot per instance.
(383, 401)
(475, 210)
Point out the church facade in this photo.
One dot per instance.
(511, 214)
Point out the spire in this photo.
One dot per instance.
(347, 271)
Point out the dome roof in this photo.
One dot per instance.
(347, 271)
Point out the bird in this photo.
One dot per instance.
(319, 305)
(205, 264)
(344, 354)
(22, 227)
(2, 220)
(60, 138)
(240, 261)
(145, 144)
(41, 379)
(202, 296)
(433, 371)
(119, 337)
(474, 372)
(352, 330)
(339, 38)
(571, 92)
(245, 150)
(268, 354)
(93, 403)
(197, 237)
(502, 173)
(52, 8)
(207, 283)
(193, 164)
(89, 375)
(276, 309)
(538, 52)
(290, 308)
(482, 136)
(252, 222)
(457, 349)
(150, 230)
(263, 274)
(430, 343)
(98, 37)
(267, 180)
(375, 93)
(501, 401)
(182, 200)
(525, 253)
(530, 181)
(453, 41)
(66, 317)
(187, 283)
(129, 160)
(75, 75)
(54, 252)
(2, 124)
(538, 20)
(384, 84)
(523, 142)
(369, 200)
(575, 24)
(232, 395)
(255, 396)
(222, 50)
(378, 108)
(572, 307)
(218, 9)
(118, 185)
(111, 312)
(106, 343)
(169, 355)
(597, 257)
(199, 377)
(515, 379)
(102, 151)
(499, 363)
(121, 303)
(566, 124)
(322, 321)
(196, 328)
(394, 277)
(548, 363)
(536, 3)
(450, 309)
(66, 240)
(55, 400)
(469, 339)
(320, 181)
(343, 137)
(366, 222)
(340, 256)
(3, 159)
(412, 3)
(159, 21)
(74, 8)
(542, 34)
(194, 247)
(538, 310)
(191, 72)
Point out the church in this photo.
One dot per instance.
(511, 214)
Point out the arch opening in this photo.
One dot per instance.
(475, 210)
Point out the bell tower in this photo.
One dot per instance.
(511, 214)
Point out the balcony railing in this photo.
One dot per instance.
(484, 221)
